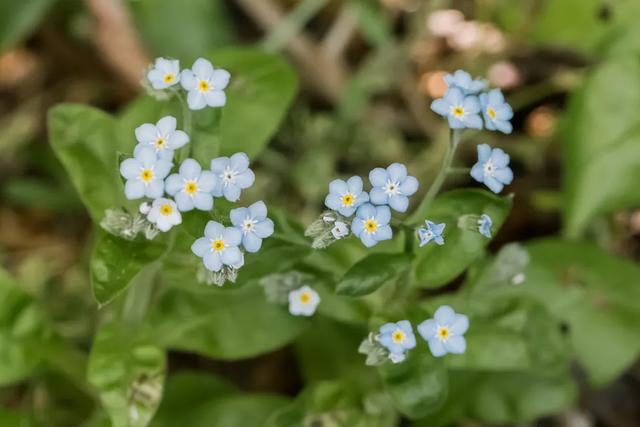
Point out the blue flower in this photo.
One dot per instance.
(162, 137)
(219, 247)
(346, 197)
(484, 225)
(492, 168)
(496, 111)
(144, 173)
(205, 85)
(463, 81)
(432, 232)
(445, 332)
(461, 111)
(371, 224)
(233, 175)
(165, 73)
(254, 225)
(397, 338)
(192, 187)
(392, 187)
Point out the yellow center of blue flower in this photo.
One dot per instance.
(397, 336)
(347, 199)
(458, 111)
(305, 297)
(203, 85)
(190, 187)
(491, 113)
(166, 209)
(217, 245)
(146, 175)
(371, 225)
(443, 333)
(168, 78)
(160, 142)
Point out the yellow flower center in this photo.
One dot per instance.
(203, 85)
(190, 187)
(491, 113)
(371, 225)
(217, 245)
(443, 333)
(166, 209)
(458, 111)
(305, 297)
(347, 200)
(397, 337)
(160, 142)
(168, 78)
(146, 175)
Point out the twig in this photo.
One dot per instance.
(341, 31)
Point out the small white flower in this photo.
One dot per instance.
(164, 214)
(144, 208)
(205, 85)
(303, 301)
(164, 74)
(162, 137)
(340, 230)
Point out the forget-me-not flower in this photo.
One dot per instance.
(346, 197)
(461, 111)
(433, 232)
(371, 224)
(205, 85)
(165, 73)
(162, 137)
(496, 111)
(392, 187)
(254, 225)
(303, 301)
(445, 332)
(144, 173)
(397, 338)
(484, 225)
(232, 176)
(219, 247)
(492, 168)
(463, 81)
(192, 186)
(164, 214)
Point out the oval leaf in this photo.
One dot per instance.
(367, 275)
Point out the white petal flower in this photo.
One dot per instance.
(162, 137)
(164, 214)
(303, 301)
(205, 85)
(165, 73)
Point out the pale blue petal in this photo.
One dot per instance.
(196, 100)
(454, 96)
(145, 155)
(231, 256)
(239, 162)
(146, 133)
(493, 184)
(220, 79)
(338, 187)
(387, 328)
(184, 201)
(456, 345)
(484, 152)
(155, 189)
(378, 177)
(504, 175)
(219, 165)
(366, 211)
(355, 185)
(258, 210)
(203, 201)
(134, 189)
(445, 315)
(427, 329)
(190, 169)
(264, 228)
(215, 98)
(471, 105)
(130, 168)
(436, 347)
(397, 172)
(495, 97)
(213, 230)
(477, 172)
(383, 233)
(231, 192)
(245, 179)
(238, 216)
(162, 168)
(377, 196)
(441, 107)
(454, 123)
(409, 186)
(383, 214)
(333, 202)
(173, 184)
(207, 181)
(368, 240)
(166, 125)
(347, 210)
(188, 80)
(459, 325)
(499, 158)
(357, 226)
(251, 242)
(504, 126)
(202, 68)
(473, 121)
(212, 261)
(232, 236)
(201, 246)
(399, 203)
(178, 139)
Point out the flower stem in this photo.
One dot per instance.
(186, 123)
(445, 168)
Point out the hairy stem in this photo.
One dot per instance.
(186, 123)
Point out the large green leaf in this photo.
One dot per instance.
(436, 265)
(603, 135)
(203, 25)
(18, 19)
(116, 262)
(369, 274)
(83, 138)
(23, 332)
(128, 372)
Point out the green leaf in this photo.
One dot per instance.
(203, 25)
(367, 275)
(116, 262)
(436, 265)
(83, 138)
(261, 89)
(23, 332)
(128, 372)
(19, 18)
(602, 159)
(229, 323)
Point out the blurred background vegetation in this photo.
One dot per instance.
(368, 70)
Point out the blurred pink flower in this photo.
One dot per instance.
(504, 75)
(443, 23)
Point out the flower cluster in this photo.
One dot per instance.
(204, 84)
(443, 334)
(465, 107)
(391, 189)
(292, 288)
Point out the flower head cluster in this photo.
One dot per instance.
(465, 107)
(204, 84)
(391, 189)
(444, 334)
